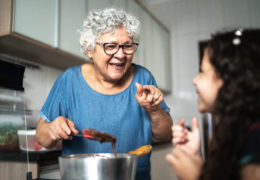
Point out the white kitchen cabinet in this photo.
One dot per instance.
(29, 31)
(161, 61)
(71, 19)
(155, 41)
(239, 16)
(119, 3)
(35, 19)
(53, 22)
(136, 10)
(254, 6)
(98, 4)
(147, 39)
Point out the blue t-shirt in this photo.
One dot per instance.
(118, 114)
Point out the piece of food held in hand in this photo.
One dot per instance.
(141, 151)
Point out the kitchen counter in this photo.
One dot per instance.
(14, 165)
(39, 156)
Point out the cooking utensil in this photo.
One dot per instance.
(101, 166)
(100, 136)
(97, 135)
(85, 134)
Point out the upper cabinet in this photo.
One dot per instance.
(136, 10)
(35, 19)
(98, 4)
(51, 22)
(156, 51)
(71, 17)
(30, 29)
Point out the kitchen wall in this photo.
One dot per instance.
(188, 21)
(37, 84)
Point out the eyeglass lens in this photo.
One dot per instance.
(111, 48)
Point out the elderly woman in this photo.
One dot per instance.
(109, 94)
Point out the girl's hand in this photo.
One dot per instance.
(188, 141)
(180, 162)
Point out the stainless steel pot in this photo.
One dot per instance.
(104, 166)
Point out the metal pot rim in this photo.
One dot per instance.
(99, 155)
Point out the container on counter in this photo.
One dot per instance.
(28, 142)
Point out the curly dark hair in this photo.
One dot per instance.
(236, 60)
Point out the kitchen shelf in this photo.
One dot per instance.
(19, 46)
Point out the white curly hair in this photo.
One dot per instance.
(99, 22)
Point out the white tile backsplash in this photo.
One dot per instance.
(187, 57)
(210, 16)
(187, 17)
(254, 11)
(235, 13)
(37, 84)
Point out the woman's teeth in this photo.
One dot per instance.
(116, 64)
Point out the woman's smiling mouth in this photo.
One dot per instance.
(117, 64)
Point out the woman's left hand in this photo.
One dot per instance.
(149, 97)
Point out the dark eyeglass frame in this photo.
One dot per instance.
(118, 47)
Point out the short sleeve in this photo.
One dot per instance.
(54, 106)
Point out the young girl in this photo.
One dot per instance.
(228, 86)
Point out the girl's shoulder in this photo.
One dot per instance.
(251, 149)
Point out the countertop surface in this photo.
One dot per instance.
(40, 156)
(33, 156)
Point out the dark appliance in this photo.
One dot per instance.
(11, 75)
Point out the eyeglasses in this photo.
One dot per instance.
(113, 48)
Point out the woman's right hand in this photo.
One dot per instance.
(188, 141)
(49, 133)
(61, 128)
